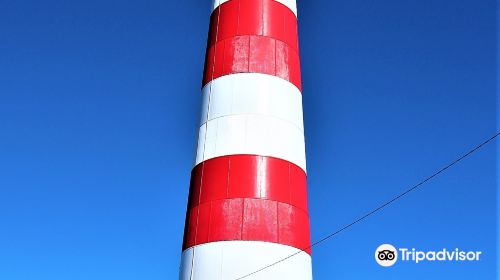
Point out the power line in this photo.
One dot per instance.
(382, 206)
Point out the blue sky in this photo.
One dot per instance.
(99, 104)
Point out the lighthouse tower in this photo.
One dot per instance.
(248, 196)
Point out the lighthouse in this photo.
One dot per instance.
(247, 205)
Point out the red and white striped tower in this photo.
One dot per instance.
(248, 196)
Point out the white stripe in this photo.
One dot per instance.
(253, 135)
(229, 260)
(252, 93)
(291, 4)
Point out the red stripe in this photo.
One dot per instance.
(249, 220)
(248, 176)
(252, 54)
(249, 17)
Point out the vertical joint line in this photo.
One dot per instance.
(206, 131)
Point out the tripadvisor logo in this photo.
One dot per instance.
(387, 255)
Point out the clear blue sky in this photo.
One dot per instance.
(99, 106)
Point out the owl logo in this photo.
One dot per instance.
(386, 255)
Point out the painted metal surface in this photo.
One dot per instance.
(249, 17)
(252, 94)
(251, 135)
(248, 194)
(225, 261)
(290, 4)
(252, 54)
(247, 219)
(248, 176)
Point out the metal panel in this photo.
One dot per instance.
(227, 17)
(290, 4)
(201, 263)
(241, 168)
(260, 220)
(293, 227)
(248, 176)
(252, 93)
(225, 220)
(247, 219)
(225, 261)
(262, 58)
(252, 54)
(251, 135)
(250, 16)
